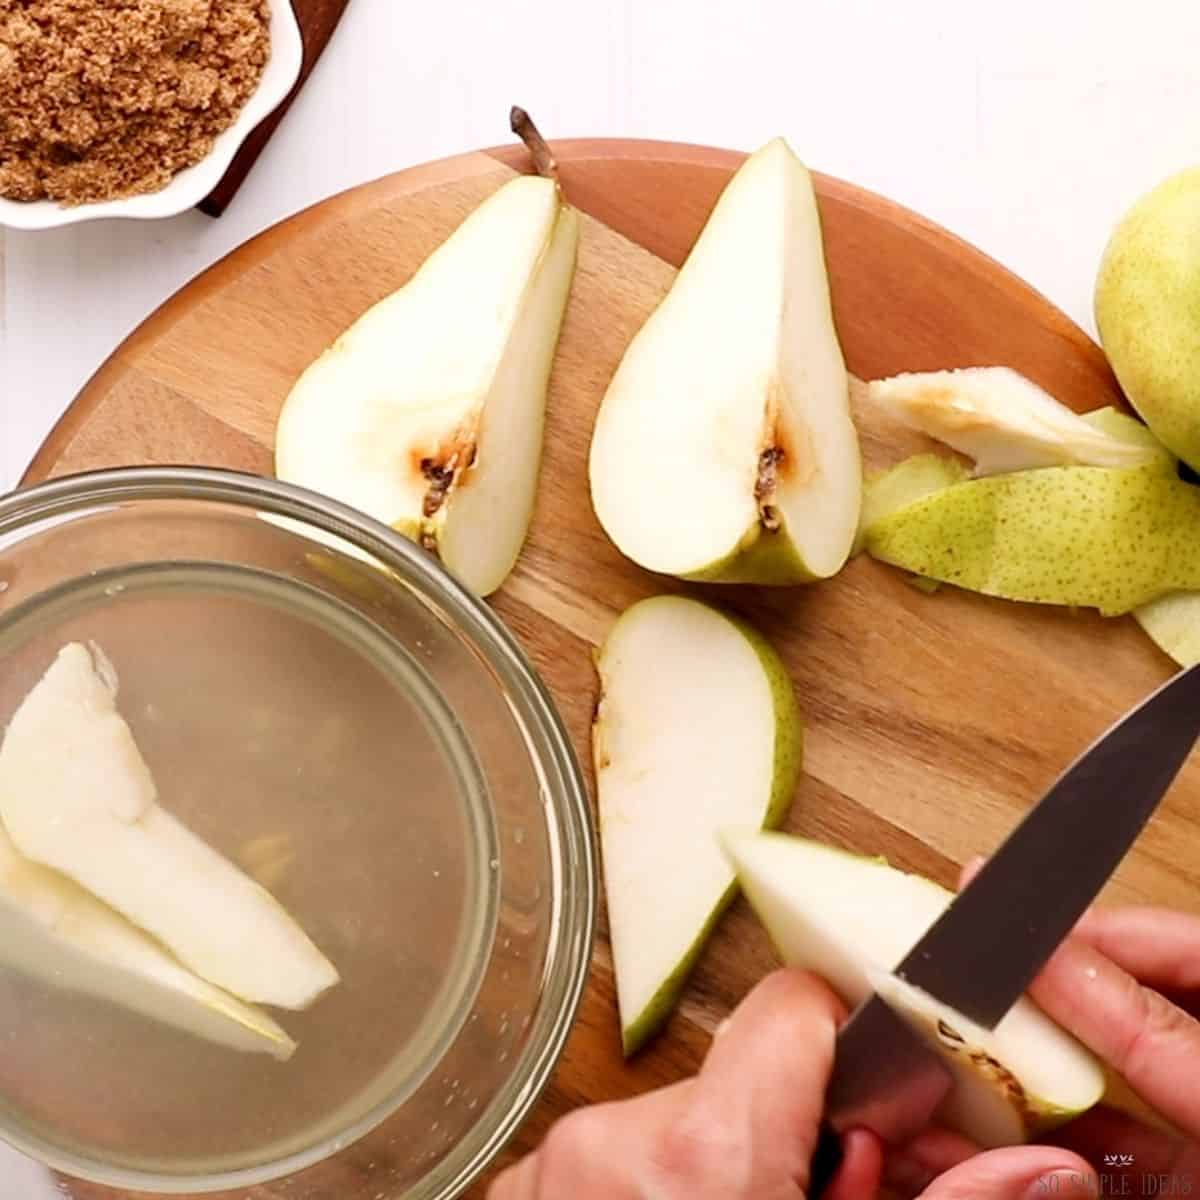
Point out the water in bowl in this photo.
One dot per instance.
(310, 748)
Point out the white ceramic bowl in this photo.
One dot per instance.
(190, 186)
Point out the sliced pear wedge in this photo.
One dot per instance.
(1173, 624)
(427, 413)
(1093, 537)
(724, 448)
(53, 930)
(697, 727)
(1002, 420)
(852, 920)
(905, 484)
(77, 796)
(1172, 620)
(1124, 428)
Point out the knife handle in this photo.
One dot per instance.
(826, 1159)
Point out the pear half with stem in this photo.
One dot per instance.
(77, 796)
(427, 413)
(852, 920)
(696, 728)
(52, 929)
(1002, 420)
(724, 449)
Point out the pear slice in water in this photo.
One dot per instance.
(852, 920)
(53, 930)
(697, 728)
(724, 448)
(427, 413)
(1001, 420)
(77, 796)
(1094, 537)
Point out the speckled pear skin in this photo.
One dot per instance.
(1147, 306)
(1092, 537)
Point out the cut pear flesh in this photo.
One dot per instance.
(852, 920)
(76, 795)
(51, 929)
(724, 449)
(1002, 420)
(696, 728)
(427, 413)
(1124, 428)
(1094, 537)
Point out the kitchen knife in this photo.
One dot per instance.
(982, 953)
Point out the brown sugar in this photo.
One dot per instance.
(101, 99)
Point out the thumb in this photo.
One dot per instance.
(1017, 1173)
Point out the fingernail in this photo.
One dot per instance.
(1068, 1184)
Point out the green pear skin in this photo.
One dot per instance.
(1092, 537)
(658, 805)
(904, 484)
(1147, 307)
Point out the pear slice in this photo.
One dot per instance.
(427, 413)
(51, 929)
(696, 728)
(852, 920)
(1173, 624)
(1125, 428)
(77, 796)
(1001, 419)
(724, 448)
(905, 484)
(1095, 537)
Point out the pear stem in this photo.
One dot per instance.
(521, 123)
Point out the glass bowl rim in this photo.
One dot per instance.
(571, 939)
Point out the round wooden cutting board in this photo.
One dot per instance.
(932, 721)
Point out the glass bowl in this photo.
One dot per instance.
(323, 703)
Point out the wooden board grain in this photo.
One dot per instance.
(932, 722)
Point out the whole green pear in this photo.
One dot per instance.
(1148, 310)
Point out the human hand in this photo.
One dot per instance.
(1127, 984)
(745, 1127)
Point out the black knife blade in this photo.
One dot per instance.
(998, 932)
(980, 956)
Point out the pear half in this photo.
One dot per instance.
(696, 728)
(77, 796)
(1002, 420)
(51, 929)
(852, 920)
(724, 449)
(427, 413)
(1147, 306)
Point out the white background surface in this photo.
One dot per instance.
(1026, 127)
